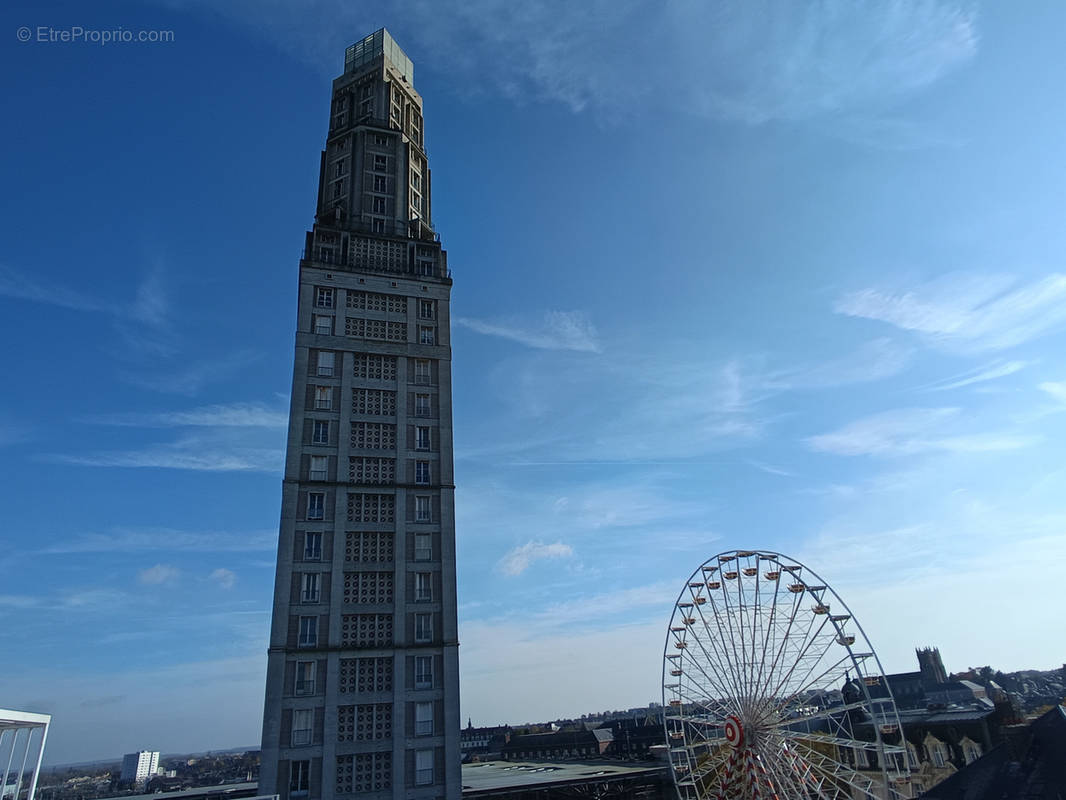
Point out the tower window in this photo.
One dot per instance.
(323, 324)
(320, 432)
(423, 587)
(423, 509)
(423, 767)
(426, 309)
(381, 163)
(323, 398)
(324, 297)
(326, 360)
(423, 628)
(422, 473)
(308, 632)
(316, 505)
(312, 547)
(422, 437)
(305, 678)
(423, 672)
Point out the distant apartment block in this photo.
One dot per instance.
(137, 768)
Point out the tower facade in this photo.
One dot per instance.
(362, 694)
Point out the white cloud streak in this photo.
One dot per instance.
(225, 578)
(524, 556)
(910, 432)
(967, 312)
(988, 372)
(556, 330)
(156, 539)
(1056, 390)
(237, 415)
(158, 575)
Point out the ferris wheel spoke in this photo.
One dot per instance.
(713, 663)
(834, 771)
(770, 637)
(785, 641)
(729, 653)
(810, 680)
(802, 657)
(730, 671)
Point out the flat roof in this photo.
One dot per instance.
(217, 790)
(487, 776)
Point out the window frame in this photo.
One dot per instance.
(423, 404)
(326, 364)
(422, 473)
(306, 686)
(423, 672)
(423, 628)
(320, 431)
(424, 718)
(423, 587)
(318, 469)
(423, 438)
(307, 716)
(316, 509)
(311, 588)
(428, 503)
(307, 631)
(312, 552)
(299, 777)
(323, 398)
(321, 329)
(423, 773)
(324, 296)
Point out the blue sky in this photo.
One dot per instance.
(739, 274)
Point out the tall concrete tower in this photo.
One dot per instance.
(362, 693)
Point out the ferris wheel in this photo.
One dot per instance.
(772, 690)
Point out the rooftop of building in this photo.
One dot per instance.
(491, 776)
(379, 43)
(217, 792)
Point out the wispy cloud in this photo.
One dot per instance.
(770, 469)
(238, 415)
(967, 312)
(187, 454)
(1056, 390)
(524, 556)
(158, 574)
(156, 539)
(982, 374)
(910, 432)
(191, 378)
(556, 330)
(149, 306)
(225, 578)
(871, 361)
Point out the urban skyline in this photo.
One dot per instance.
(822, 316)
